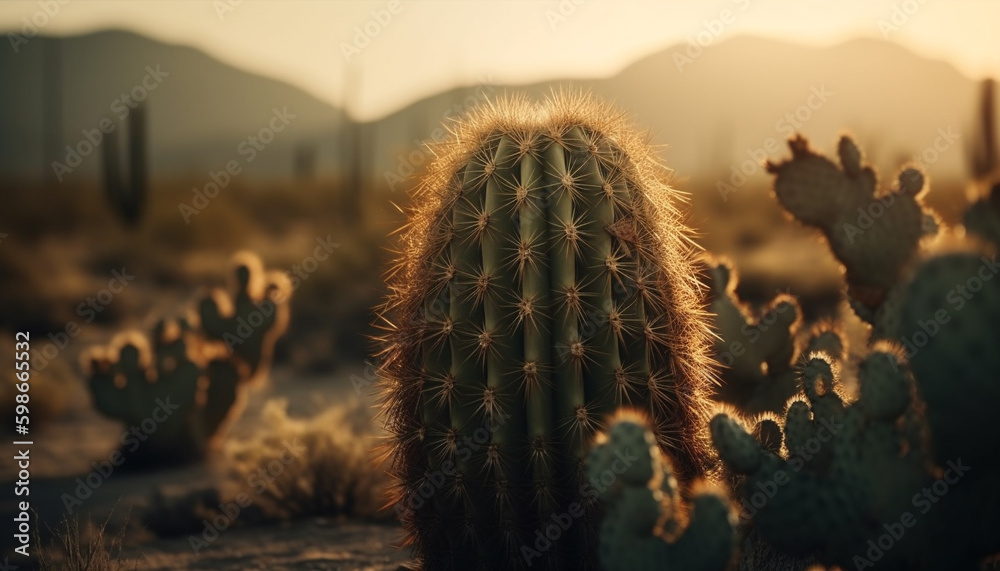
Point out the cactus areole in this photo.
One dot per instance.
(545, 280)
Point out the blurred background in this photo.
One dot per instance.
(155, 139)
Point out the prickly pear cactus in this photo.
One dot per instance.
(856, 486)
(179, 393)
(874, 234)
(173, 400)
(757, 350)
(251, 320)
(751, 346)
(545, 281)
(643, 529)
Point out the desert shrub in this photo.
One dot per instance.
(321, 466)
(87, 547)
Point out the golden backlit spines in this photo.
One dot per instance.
(441, 390)
(581, 425)
(521, 186)
(627, 384)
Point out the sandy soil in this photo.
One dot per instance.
(301, 545)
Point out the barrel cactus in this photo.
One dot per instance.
(545, 281)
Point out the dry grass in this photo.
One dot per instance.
(332, 471)
(83, 548)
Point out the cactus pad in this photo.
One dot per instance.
(874, 234)
(950, 323)
(197, 376)
(251, 320)
(643, 526)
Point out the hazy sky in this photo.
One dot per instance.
(430, 45)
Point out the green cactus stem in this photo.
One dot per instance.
(127, 191)
(545, 281)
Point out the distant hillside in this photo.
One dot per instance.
(733, 96)
(199, 113)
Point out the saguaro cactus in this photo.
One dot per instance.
(545, 281)
(127, 192)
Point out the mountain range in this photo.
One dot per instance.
(708, 110)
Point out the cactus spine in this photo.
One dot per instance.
(545, 281)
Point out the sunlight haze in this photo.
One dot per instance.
(464, 43)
